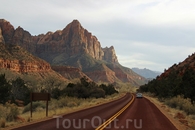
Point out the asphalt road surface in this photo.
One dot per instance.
(140, 115)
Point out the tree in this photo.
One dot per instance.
(20, 91)
(5, 89)
(109, 90)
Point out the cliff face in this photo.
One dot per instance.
(72, 40)
(72, 46)
(17, 59)
(24, 66)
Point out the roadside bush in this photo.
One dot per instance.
(3, 111)
(35, 105)
(9, 112)
(181, 103)
(2, 123)
(12, 112)
(72, 104)
(67, 102)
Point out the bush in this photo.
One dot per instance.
(2, 123)
(3, 111)
(181, 103)
(35, 105)
(12, 113)
(72, 104)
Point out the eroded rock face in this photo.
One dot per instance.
(7, 30)
(24, 66)
(72, 40)
(73, 45)
(110, 55)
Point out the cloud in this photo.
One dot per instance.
(145, 33)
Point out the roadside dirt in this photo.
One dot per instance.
(177, 118)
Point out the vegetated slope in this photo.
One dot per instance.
(179, 79)
(149, 74)
(73, 46)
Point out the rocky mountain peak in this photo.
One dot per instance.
(110, 55)
(7, 30)
(72, 46)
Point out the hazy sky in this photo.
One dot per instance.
(151, 34)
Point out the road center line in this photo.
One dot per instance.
(107, 122)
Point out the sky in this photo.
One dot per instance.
(152, 34)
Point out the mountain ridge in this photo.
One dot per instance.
(72, 46)
(147, 73)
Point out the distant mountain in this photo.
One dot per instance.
(149, 74)
(73, 46)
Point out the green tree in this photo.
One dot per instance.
(109, 90)
(5, 89)
(20, 91)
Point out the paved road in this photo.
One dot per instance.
(87, 119)
(141, 115)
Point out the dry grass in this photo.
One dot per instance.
(62, 106)
(2, 122)
(178, 117)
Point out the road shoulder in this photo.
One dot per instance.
(167, 112)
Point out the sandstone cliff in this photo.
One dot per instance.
(72, 46)
(17, 62)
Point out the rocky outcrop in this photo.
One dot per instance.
(101, 73)
(72, 40)
(7, 30)
(17, 59)
(69, 72)
(110, 55)
(24, 66)
(72, 46)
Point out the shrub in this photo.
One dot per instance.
(2, 123)
(35, 105)
(72, 104)
(12, 112)
(3, 111)
(181, 103)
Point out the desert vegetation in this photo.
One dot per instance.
(15, 97)
(176, 83)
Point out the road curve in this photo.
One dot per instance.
(141, 115)
(87, 119)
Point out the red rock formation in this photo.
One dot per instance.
(7, 30)
(24, 66)
(69, 72)
(73, 45)
(72, 40)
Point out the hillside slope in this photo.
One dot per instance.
(179, 79)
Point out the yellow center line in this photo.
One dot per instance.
(106, 123)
